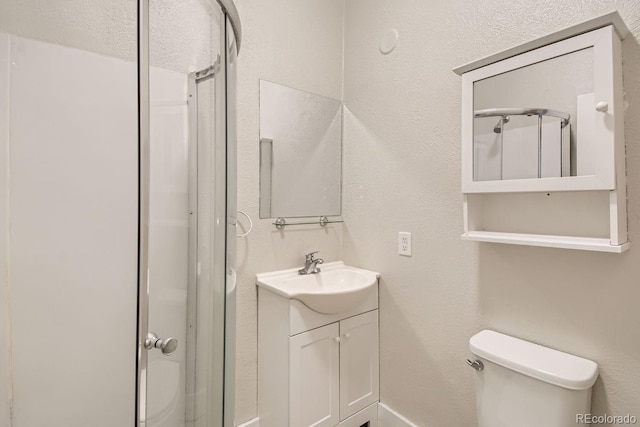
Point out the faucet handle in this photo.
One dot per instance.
(309, 256)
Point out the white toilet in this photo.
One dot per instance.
(521, 384)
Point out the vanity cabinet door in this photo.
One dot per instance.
(359, 368)
(313, 377)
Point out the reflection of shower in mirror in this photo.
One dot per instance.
(511, 150)
(535, 144)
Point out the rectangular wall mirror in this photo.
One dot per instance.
(300, 153)
(542, 120)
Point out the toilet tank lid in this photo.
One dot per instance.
(543, 363)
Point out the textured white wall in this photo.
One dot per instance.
(402, 173)
(298, 44)
(182, 34)
(179, 31)
(4, 230)
(102, 27)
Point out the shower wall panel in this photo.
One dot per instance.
(73, 248)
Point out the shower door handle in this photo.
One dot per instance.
(167, 345)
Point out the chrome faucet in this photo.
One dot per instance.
(311, 264)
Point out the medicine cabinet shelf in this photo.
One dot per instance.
(548, 241)
(543, 150)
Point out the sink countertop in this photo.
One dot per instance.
(336, 288)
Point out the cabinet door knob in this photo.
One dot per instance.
(347, 335)
(337, 339)
(602, 106)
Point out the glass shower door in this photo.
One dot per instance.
(183, 323)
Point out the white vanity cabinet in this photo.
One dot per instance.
(314, 375)
(316, 369)
(359, 364)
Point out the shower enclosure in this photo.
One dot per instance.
(187, 211)
(117, 212)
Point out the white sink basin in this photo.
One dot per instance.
(336, 289)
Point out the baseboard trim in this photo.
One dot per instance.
(251, 423)
(387, 417)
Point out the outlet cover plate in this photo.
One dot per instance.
(404, 243)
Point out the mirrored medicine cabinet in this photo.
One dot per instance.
(543, 141)
(300, 153)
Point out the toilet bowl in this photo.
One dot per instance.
(522, 384)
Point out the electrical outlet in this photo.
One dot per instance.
(404, 243)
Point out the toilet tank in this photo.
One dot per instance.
(527, 385)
